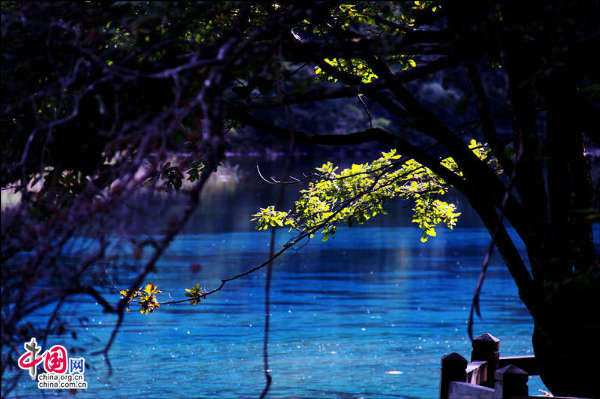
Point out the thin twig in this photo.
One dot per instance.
(362, 102)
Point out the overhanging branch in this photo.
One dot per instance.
(365, 136)
(374, 135)
(302, 49)
(328, 92)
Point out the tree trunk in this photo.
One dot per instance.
(567, 321)
(566, 339)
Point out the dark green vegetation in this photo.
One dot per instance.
(100, 101)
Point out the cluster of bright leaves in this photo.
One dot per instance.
(365, 17)
(358, 68)
(194, 294)
(353, 66)
(356, 194)
(146, 297)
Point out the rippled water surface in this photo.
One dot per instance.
(368, 314)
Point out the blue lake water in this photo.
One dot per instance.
(368, 314)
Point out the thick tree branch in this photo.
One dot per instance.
(365, 136)
(315, 50)
(474, 169)
(377, 135)
(510, 254)
(328, 92)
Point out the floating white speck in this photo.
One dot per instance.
(363, 329)
(394, 372)
(333, 352)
